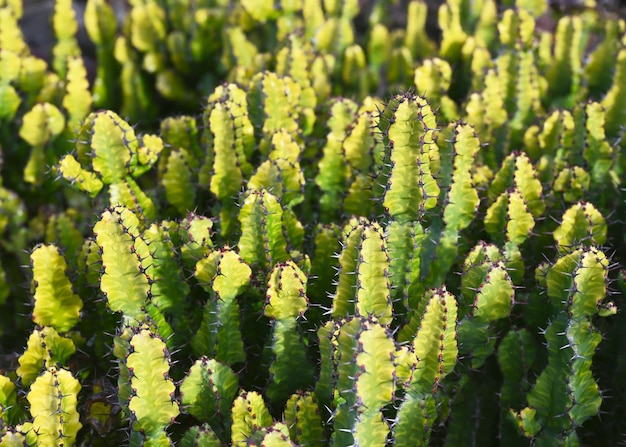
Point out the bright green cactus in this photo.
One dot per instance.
(224, 275)
(363, 287)
(195, 238)
(101, 25)
(229, 137)
(9, 410)
(41, 125)
(460, 202)
(433, 355)
(582, 224)
(110, 153)
(200, 436)
(333, 170)
(11, 36)
(65, 28)
(250, 414)
(45, 349)
(396, 243)
(269, 233)
(364, 369)
(567, 60)
(124, 281)
(64, 231)
(53, 404)
(408, 124)
(432, 79)
(416, 39)
(363, 152)
(488, 296)
(290, 369)
(281, 174)
(152, 403)
(10, 68)
(77, 100)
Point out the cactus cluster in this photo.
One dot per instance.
(362, 235)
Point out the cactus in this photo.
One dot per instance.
(302, 416)
(408, 124)
(268, 233)
(41, 125)
(152, 403)
(566, 393)
(250, 415)
(224, 275)
(290, 369)
(363, 287)
(53, 405)
(208, 392)
(55, 303)
(109, 147)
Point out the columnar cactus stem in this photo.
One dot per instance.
(53, 404)
(225, 276)
(208, 392)
(152, 403)
(408, 124)
(290, 369)
(124, 281)
(45, 349)
(363, 286)
(269, 234)
(302, 416)
(249, 414)
(56, 304)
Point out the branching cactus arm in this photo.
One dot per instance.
(65, 29)
(77, 100)
(566, 394)
(582, 223)
(101, 25)
(363, 287)
(333, 169)
(265, 230)
(200, 436)
(45, 349)
(365, 383)
(40, 126)
(404, 244)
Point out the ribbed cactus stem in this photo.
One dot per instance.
(408, 124)
(363, 287)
